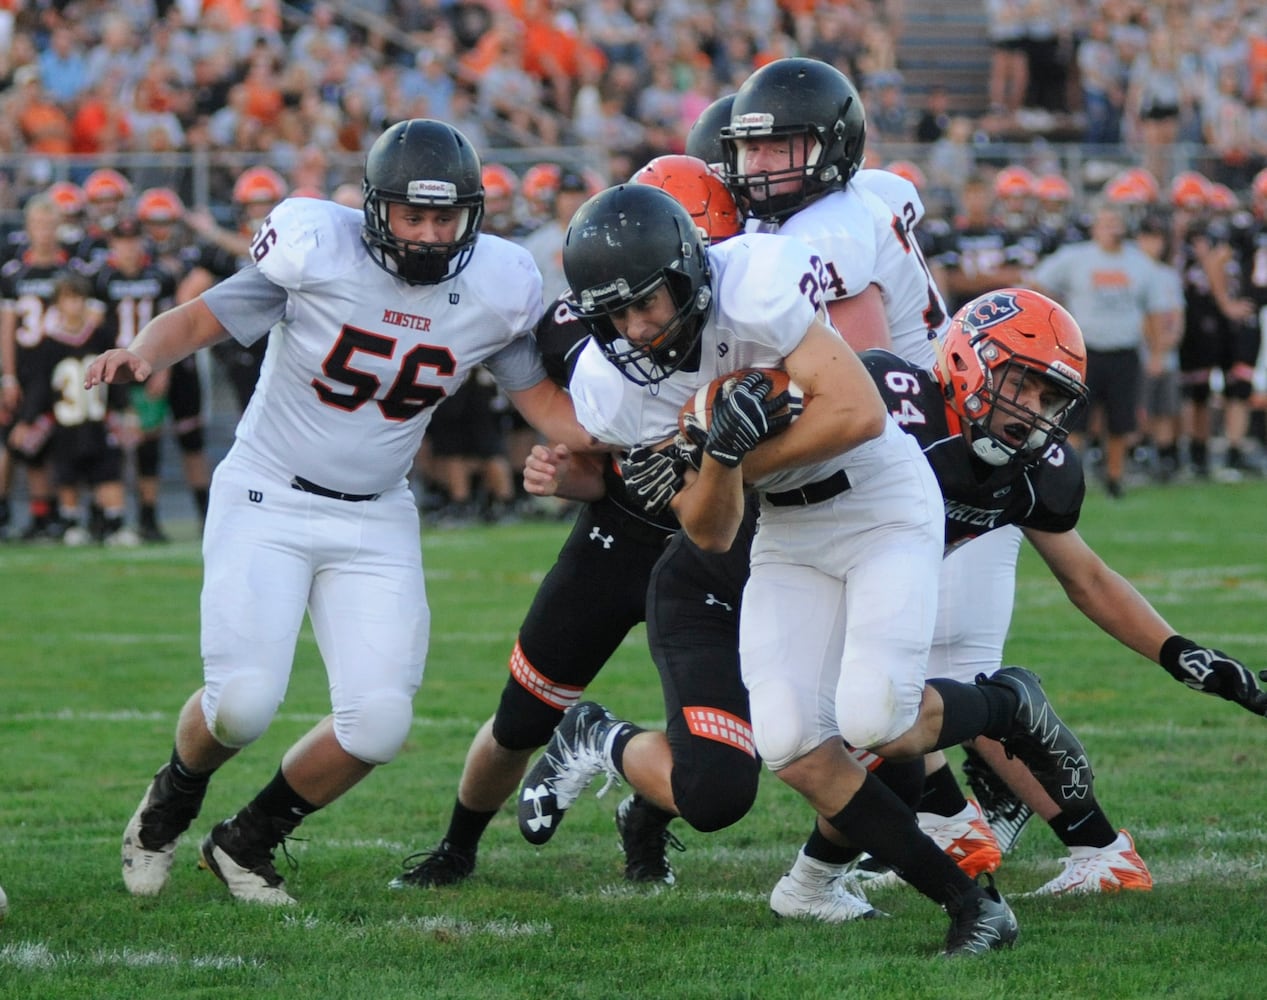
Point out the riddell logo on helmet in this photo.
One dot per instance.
(1069, 372)
(432, 191)
(753, 122)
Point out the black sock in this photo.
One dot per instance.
(466, 826)
(905, 777)
(148, 517)
(624, 734)
(973, 710)
(820, 848)
(283, 807)
(184, 780)
(201, 499)
(1200, 454)
(942, 794)
(1088, 827)
(876, 821)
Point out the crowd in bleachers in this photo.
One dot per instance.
(560, 98)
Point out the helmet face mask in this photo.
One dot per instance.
(426, 164)
(815, 109)
(1013, 367)
(622, 247)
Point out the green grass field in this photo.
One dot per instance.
(98, 649)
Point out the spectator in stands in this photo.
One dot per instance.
(934, 117)
(886, 107)
(1009, 67)
(102, 124)
(1227, 126)
(42, 122)
(63, 68)
(1102, 78)
(115, 55)
(1161, 90)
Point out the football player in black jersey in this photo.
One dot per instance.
(26, 288)
(616, 547)
(990, 420)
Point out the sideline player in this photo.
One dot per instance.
(375, 317)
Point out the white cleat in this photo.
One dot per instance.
(146, 868)
(1116, 868)
(820, 891)
(250, 876)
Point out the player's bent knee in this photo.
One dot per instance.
(523, 721)
(241, 709)
(716, 789)
(872, 710)
(375, 728)
(782, 731)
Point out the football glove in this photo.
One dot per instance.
(744, 419)
(1213, 672)
(653, 478)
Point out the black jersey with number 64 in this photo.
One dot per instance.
(1046, 494)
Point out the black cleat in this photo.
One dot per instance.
(243, 861)
(446, 865)
(983, 922)
(1049, 748)
(576, 754)
(645, 839)
(1004, 812)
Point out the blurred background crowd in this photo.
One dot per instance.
(141, 139)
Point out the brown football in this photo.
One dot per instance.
(698, 410)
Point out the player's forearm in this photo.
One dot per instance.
(176, 334)
(1123, 612)
(710, 507)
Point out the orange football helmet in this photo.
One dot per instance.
(692, 182)
(160, 205)
(1221, 198)
(540, 185)
(499, 181)
(1053, 187)
(258, 185)
(1190, 191)
(106, 185)
(907, 169)
(1013, 182)
(68, 197)
(1122, 189)
(996, 344)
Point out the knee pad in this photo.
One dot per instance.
(240, 712)
(782, 731)
(375, 728)
(190, 440)
(523, 721)
(714, 785)
(1197, 392)
(1238, 389)
(147, 457)
(871, 711)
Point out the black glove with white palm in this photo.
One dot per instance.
(1212, 671)
(653, 477)
(744, 418)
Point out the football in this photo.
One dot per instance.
(698, 410)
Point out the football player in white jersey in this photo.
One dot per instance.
(375, 316)
(837, 615)
(793, 150)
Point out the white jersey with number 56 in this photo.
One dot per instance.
(358, 359)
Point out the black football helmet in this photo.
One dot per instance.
(798, 98)
(621, 246)
(428, 163)
(703, 141)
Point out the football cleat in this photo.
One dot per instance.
(983, 922)
(1049, 748)
(244, 865)
(149, 839)
(820, 891)
(1115, 868)
(579, 750)
(1006, 814)
(645, 838)
(965, 837)
(446, 865)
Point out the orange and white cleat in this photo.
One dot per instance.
(966, 837)
(1115, 868)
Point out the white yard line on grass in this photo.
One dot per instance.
(36, 956)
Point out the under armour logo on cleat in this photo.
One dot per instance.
(596, 534)
(713, 599)
(539, 820)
